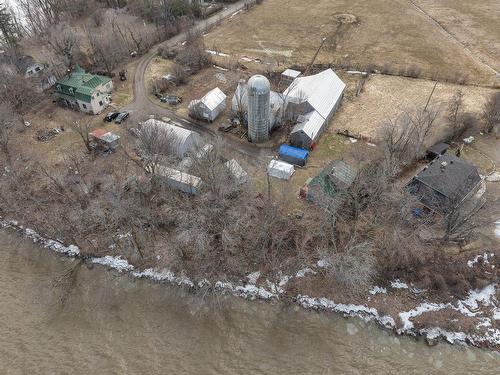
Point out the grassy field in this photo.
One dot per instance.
(374, 32)
(387, 96)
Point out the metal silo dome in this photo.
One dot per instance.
(259, 91)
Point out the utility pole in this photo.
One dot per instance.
(323, 40)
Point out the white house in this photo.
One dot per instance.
(89, 93)
(209, 107)
(312, 101)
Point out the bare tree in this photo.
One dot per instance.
(491, 112)
(455, 114)
(83, 129)
(156, 146)
(64, 42)
(8, 118)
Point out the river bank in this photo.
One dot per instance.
(399, 307)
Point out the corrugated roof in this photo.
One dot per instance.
(322, 91)
(310, 123)
(213, 98)
(179, 135)
(79, 81)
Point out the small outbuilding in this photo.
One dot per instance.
(293, 155)
(437, 150)
(182, 140)
(329, 188)
(238, 173)
(179, 180)
(280, 169)
(105, 139)
(289, 75)
(209, 107)
(445, 183)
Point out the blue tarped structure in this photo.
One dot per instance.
(293, 155)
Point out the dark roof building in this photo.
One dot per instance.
(437, 150)
(329, 188)
(445, 183)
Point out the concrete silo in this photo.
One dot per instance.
(259, 91)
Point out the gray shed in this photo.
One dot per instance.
(209, 107)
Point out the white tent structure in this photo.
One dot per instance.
(183, 140)
(210, 106)
(312, 101)
(280, 169)
(239, 174)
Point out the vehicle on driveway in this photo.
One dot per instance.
(111, 116)
(171, 99)
(122, 116)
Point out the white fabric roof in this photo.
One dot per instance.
(213, 98)
(280, 169)
(322, 91)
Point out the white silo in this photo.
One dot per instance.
(258, 108)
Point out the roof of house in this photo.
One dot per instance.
(80, 84)
(213, 98)
(310, 123)
(450, 176)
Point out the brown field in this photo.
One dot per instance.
(387, 96)
(283, 32)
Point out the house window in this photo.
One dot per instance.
(84, 106)
(37, 69)
(71, 90)
(100, 103)
(97, 94)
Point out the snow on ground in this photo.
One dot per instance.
(116, 263)
(217, 53)
(304, 271)
(484, 256)
(398, 284)
(377, 290)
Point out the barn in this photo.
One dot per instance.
(311, 101)
(182, 140)
(209, 107)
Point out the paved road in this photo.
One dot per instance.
(144, 105)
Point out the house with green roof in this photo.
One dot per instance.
(85, 92)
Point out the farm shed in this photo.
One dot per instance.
(209, 107)
(280, 169)
(182, 140)
(179, 180)
(445, 183)
(329, 188)
(437, 150)
(239, 174)
(293, 155)
(289, 75)
(105, 139)
(312, 101)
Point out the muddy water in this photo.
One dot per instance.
(107, 323)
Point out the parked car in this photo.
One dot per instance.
(111, 116)
(171, 99)
(121, 117)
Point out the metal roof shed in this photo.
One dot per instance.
(183, 140)
(239, 174)
(293, 155)
(210, 106)
(280, 169)
(179, 180)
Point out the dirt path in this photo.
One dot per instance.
(474, 55)
(143, 105)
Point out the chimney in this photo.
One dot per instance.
(443, 166)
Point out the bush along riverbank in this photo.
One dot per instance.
(398, 306)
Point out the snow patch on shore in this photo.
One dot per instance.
(398, 284)
(116, 263)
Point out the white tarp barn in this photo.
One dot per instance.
(208, 107)
(182, 140)
(239, 174)
(312, 101)
(179, 180)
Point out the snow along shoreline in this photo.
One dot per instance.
(250, 291)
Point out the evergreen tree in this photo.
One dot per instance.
(8, 35)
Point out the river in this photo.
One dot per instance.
(107, 323)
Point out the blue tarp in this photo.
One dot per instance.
(294, 155)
